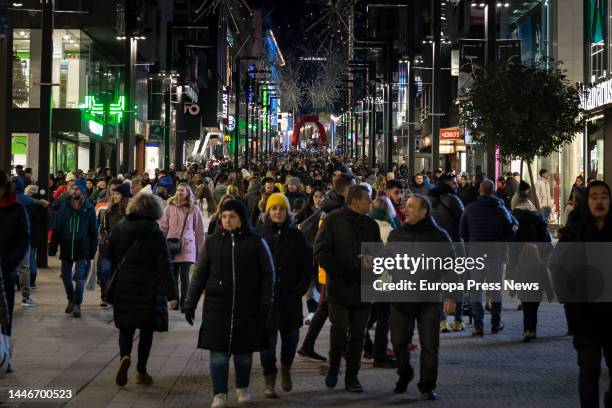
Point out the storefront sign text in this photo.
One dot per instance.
(597, 96)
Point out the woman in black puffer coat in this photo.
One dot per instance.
(236, 273)
(292, 262)
(143, 282)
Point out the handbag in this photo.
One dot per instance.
(175, 245)
(109, 292)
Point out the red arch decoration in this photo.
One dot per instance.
(297, 129)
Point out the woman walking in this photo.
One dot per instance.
(292, 263)
(182, 223)
(206, 204)
(236, 274)
(142, 283)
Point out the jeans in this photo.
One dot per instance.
(402, 329)
(24, 276)
(181, 273)
(530, 316)
(316, 324)
(351, 321)
(589, 348)
(104, 273)
(126, 338)
(74, 292)
(219, 370)
(380, 316)
(289, 342)
(492, 273)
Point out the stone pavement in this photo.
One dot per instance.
(55, 351)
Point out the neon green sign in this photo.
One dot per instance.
(113, 111)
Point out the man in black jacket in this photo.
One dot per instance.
(590, 224)
(488, 220)
(420, 227)
(337, 249)
(333, 200)
(14, 241)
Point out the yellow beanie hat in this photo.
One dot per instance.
(277, 199)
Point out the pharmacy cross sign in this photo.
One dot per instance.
(113, 111)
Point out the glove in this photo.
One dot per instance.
(189, 315)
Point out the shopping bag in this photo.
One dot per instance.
(91, 277)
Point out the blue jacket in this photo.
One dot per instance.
(76, 232)
(487, 220)
(167, 183)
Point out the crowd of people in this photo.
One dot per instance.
(258, 243)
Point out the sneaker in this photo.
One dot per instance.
(431, 395)
(457, 326)
(219, 401)
(528, 336)
(331, 379)
(32, 287)
(69, 308)
(122, 373)
(311, 355)
(444, 327)
(353, 385)
(244, 396)
(477, 333)
(308, 319)
(104, 305)
(497, 328)
(76, 311)
(28, 303)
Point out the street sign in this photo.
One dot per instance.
(450, 134)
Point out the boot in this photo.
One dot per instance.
(143, 378)
(286, 382)
(122, 373)
(69, 308)
(270, 386)
(76, 311)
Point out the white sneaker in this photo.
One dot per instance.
(219, 401)
(28, 303)
(244, 396)
(308, 319)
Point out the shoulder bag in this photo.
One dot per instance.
(175, 245)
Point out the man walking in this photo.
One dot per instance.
(488, 220)
(76, 231)
(542, 186)
(337, 249)
(419, 227)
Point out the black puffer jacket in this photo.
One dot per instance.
(14, 234)
(292, 263)
(568, 272)
(446, 209)
(337, 248)
(414, 239)
(145, 281)
(236, 273)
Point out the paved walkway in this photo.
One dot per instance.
(55, 351)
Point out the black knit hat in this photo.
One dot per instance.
(238, 207)
(524, 186)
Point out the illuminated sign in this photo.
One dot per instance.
(597, 96)
(113, 111)
(450, 134)
(96, 128)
